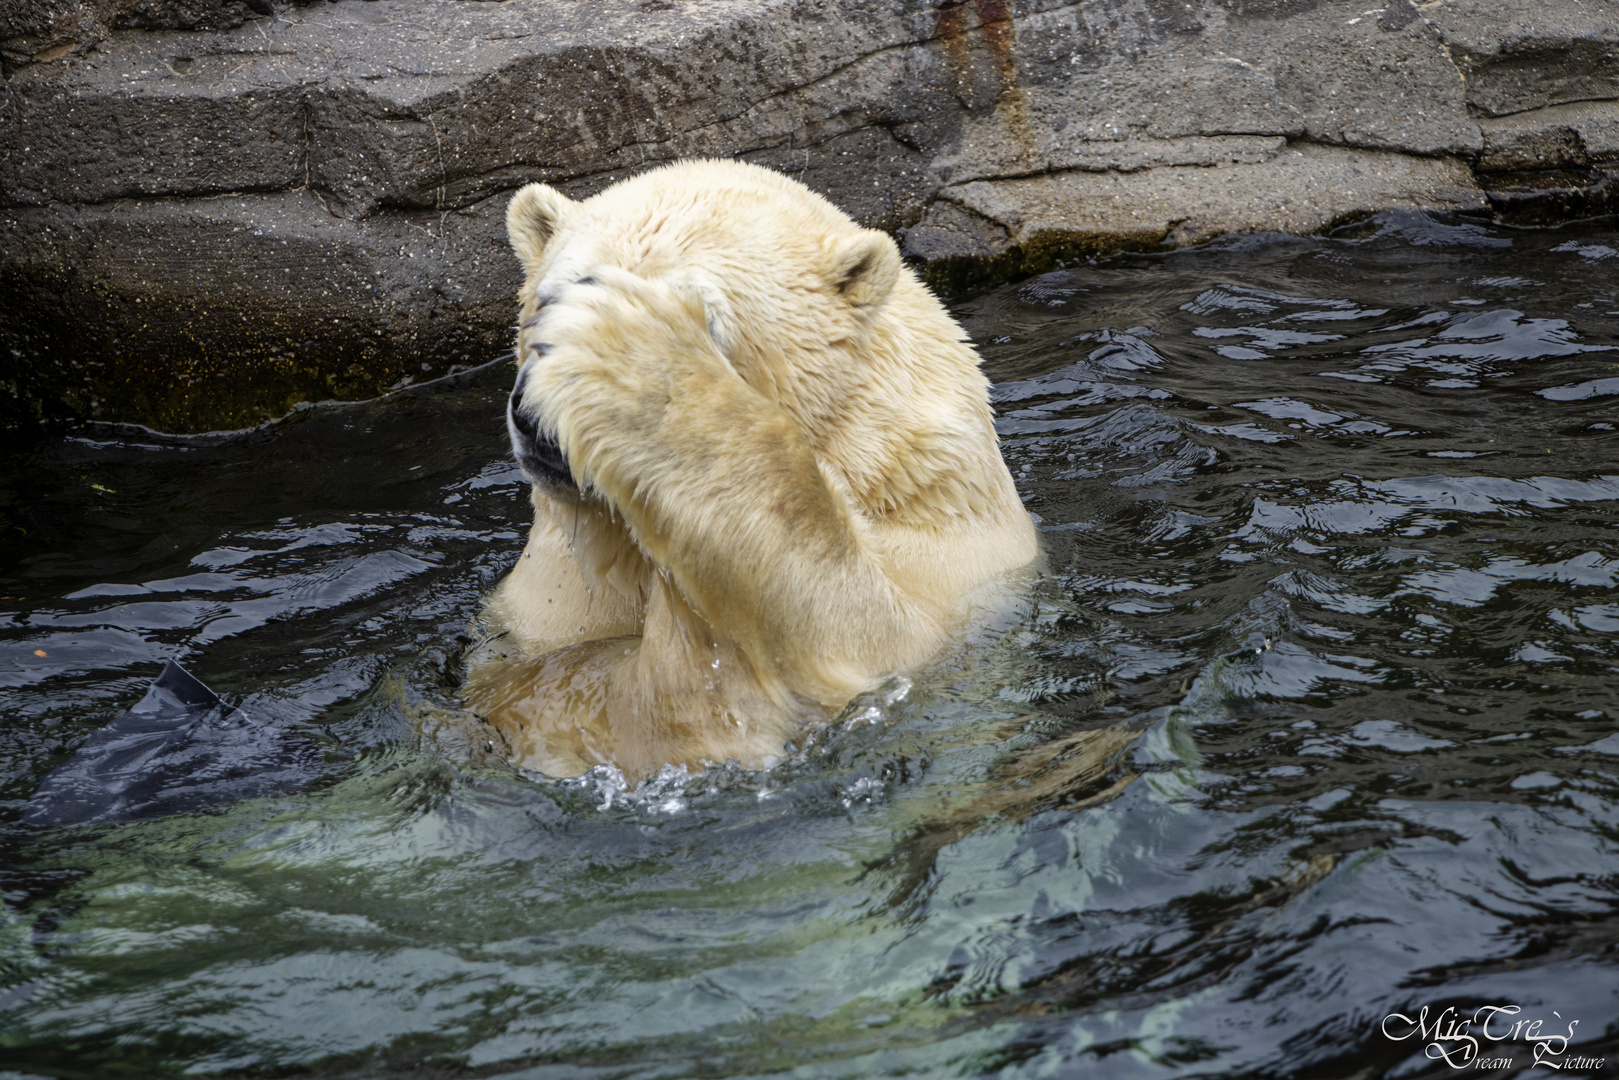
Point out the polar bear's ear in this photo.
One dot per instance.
(532, 218)
(863, 267)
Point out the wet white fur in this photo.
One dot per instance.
(791, 482)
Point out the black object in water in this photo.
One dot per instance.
(179, 748)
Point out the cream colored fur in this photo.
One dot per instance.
(790, 480)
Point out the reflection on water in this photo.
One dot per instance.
(1312, 722)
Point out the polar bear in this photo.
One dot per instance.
(764, 469)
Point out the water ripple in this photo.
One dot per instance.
(1309, 721)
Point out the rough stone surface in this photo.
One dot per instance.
(41, 31)
(1300, 189)
(1520, 56)
(1556, 137)
(219, 214)
(142, 318)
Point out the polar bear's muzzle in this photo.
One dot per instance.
(534, 447)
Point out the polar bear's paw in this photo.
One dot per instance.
(606, 358)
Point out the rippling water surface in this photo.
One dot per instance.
(1313, 721)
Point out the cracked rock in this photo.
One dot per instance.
(1557, 137)
(1304, 189)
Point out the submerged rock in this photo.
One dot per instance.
(203, 227)
(180, 748)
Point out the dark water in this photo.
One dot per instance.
(1312, 722)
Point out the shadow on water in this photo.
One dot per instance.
(1309, 728)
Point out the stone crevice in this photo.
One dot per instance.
(1545, 108)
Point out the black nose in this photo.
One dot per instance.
(534, 446)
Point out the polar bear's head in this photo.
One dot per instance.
(781, 271)
(812, 311)
(792, 290)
